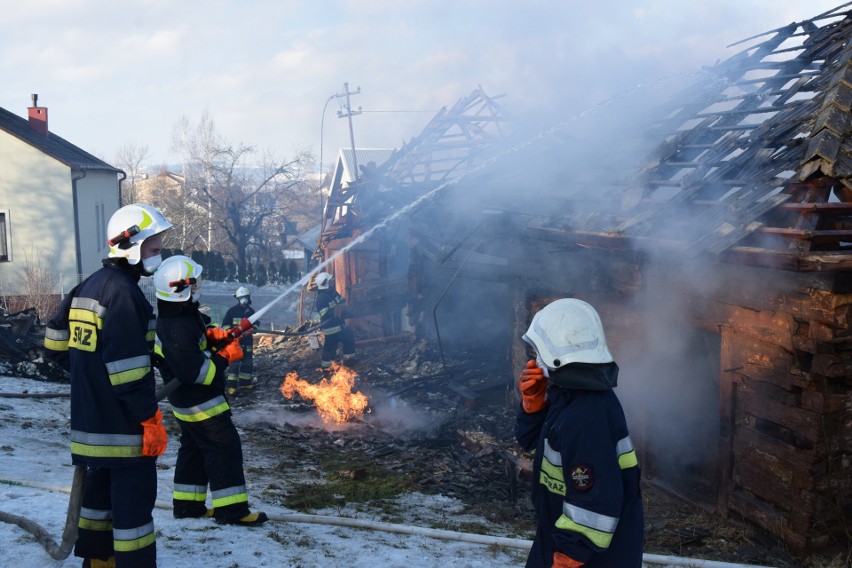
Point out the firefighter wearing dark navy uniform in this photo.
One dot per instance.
(332, 326)
(240, 373)
(585, 486)
(210, 451)
(105, 327)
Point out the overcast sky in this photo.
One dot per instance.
(115, 73)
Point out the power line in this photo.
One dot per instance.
(401, 111)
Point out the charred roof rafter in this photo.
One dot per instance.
(773, 119)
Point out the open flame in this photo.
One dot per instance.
(333, 397)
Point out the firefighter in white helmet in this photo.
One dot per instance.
(585, 484)
(129, 228)
(104, 330)
(332, 322)
(240, 376)
(210, 450)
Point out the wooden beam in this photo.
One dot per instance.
(825, 208)
(817, 236)
(727, 406)
(788, 261)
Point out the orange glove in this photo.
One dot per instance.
(533, 386)
(154, 439)
(562, 561)
(216, 335)
(231, 351)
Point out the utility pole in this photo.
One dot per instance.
(348, 113)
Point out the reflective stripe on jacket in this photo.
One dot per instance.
(182, 345)
(105, 325)
(585, 486)
(326, 301)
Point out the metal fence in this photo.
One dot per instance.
(145, 284)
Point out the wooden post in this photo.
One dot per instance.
(727, 411)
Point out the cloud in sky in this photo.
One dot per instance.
(119, 72)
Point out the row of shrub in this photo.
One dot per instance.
(259, 273)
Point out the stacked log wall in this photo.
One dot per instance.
(785, 391)
(785, 397)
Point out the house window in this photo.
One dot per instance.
(5, 240)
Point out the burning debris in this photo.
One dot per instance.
(333, 396)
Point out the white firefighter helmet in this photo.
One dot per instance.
(130, 226)
(323, 279)
(568, 331)
(241, 292)
(174, 279)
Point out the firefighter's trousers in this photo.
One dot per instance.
(115, 518)
(332, 340)
(240, 372)
(210, 453)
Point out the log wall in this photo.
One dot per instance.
(785, 386)
(786, 375)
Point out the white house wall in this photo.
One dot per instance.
(97, 200)
(35, 193)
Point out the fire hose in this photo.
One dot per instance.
(441, 534)
(72, 517)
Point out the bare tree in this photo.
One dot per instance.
(129, 158)
(38, 283)
(243, 199)
(174, 198)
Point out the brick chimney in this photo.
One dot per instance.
(38, 117)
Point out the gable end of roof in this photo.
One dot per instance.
(52, 145)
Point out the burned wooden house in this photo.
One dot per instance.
(721, 266)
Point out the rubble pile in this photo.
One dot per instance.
(22, 348)
(459, 421)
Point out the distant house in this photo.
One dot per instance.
(302, 248)
(150, 188)
(55, 199)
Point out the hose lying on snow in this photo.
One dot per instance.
(369, 524)
(72, 518)
(35, 394)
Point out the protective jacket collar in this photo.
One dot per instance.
(586, 376)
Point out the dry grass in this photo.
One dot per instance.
(38, 283)
(842, 560)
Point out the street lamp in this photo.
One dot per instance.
(321, 173)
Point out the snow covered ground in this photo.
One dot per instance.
(36, 473)
(34, 448)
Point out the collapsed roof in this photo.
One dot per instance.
(755, 163)
(454, 143)
(759, 156)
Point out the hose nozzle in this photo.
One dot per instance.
(241, 328)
